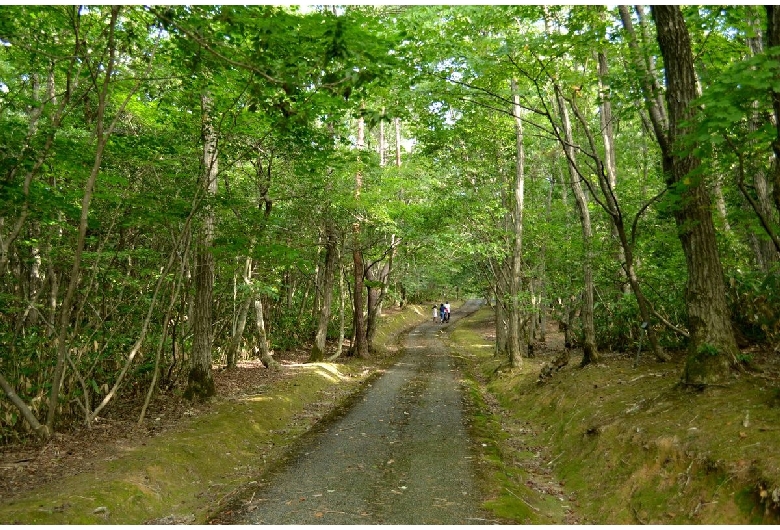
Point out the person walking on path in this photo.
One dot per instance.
(447, 310)
(435, 313)
(441, 313)
(383, 461)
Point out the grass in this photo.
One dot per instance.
(608, 444)
(186, 475)
(631, 445)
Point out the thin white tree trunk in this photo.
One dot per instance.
(518, 344)
(590, 353)
(382, 141)
(608, 137)
(397, 123)
(262, 338)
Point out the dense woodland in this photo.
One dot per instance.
(185, 187)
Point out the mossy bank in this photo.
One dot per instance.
(618, 444)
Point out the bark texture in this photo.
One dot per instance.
(200, 383)
(713, 348)
(518, 342)
(360, 343)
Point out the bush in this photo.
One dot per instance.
(754, 300)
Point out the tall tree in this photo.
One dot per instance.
(360, 343)
(589, 349)
(713, 349)
(328, 276)
(773, 41)
(200, 381)
(518, 332)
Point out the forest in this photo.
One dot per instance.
(186, 187)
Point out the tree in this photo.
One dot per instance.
(331, 255)
(589, 350)
(518, 321)
(713, 349)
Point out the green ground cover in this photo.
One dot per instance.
(628, 444)
(187, 474)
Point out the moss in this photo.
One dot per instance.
(630, 443)
(503, 482)
(188, 474)
(200, 384)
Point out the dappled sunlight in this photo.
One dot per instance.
(259, 398)
(328, 371)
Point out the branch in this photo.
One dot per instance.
(41, 430)
(765, 223)
(606, 188)
(210, 49)
(387, 251)
(668, 324)
(641, 211)
(500, 98)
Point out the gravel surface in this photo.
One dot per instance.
(400, 455)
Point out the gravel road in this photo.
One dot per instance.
(400, 455)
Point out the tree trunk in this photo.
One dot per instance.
(342, 320)
(41, 430)
(397, 122)
(102, 134)
(235, 341)
(589, 350)
(376, 295)
(502, 337)
(543, 304)
(606, 171)
(518, 343)
(608, 137)
(331, 252)
(773, 41)
(713, 348)
(382, 147)
(263, 350)
(360, 345)
(764, 248)
(200, 382)
(185, 238)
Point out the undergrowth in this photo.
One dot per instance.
(606, 444)
(631, 445)
(187, 475)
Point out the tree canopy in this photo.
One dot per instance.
(613, 169)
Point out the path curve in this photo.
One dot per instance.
(400, 455)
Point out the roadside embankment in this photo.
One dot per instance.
(618, 444)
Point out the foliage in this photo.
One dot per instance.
(640, 451)
(289, 86)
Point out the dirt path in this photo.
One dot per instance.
(401, 455)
